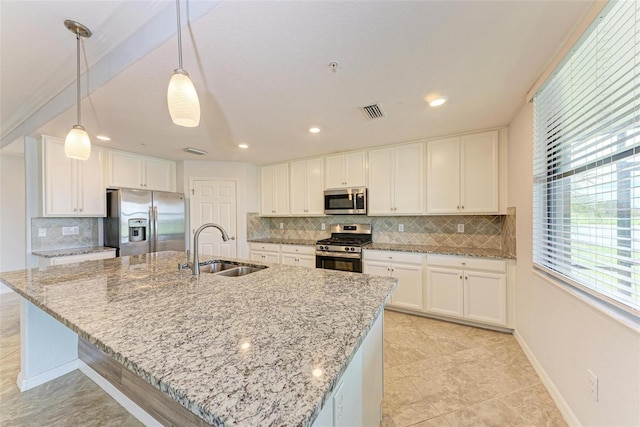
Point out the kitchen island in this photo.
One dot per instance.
(268, 348)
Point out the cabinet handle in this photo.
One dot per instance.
(466, 278)
(461, 276)
(80, 209)
(462, 206)
(458, 207)
(464, 263)
(392, 270)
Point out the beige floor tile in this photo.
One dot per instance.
(440, 421)
(492, 413)
(536, 406)
(410, 413)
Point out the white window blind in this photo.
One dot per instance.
(587, 162)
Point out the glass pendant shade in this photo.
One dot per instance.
(182, 98)
(77, 144)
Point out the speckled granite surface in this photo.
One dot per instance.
(72, 251)
(235, 351)
(303, 242)
(442, 250)
(425, 249)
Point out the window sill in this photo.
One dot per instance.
(627, 319)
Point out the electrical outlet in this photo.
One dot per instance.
(70, 231)
(401, 227)
(592, 381)
(460, 228)
(281, 225)
(42, 232)
(323, 226)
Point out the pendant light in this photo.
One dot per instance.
(182, 98)
(77, 144)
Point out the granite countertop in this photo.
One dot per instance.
(283, 241)
(442, 250)
(232, 350)
(400, 247)
(72, 251)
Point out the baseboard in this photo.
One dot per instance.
(25, 384)
(128, 404)
(564, 408)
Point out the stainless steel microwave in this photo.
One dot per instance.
(345, 201)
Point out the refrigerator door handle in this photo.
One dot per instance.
(155, 231)
(152, 232)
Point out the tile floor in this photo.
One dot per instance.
(436, 374)
(443, 374)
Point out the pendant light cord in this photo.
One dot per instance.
(78, 74)
(179, 36)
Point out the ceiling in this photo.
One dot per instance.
(261, 69)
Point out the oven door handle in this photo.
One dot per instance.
(338, 254)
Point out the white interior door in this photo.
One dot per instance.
(214, 201)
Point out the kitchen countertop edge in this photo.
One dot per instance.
(72, 251)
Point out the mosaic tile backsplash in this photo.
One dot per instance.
(480, 231)
(87, 236)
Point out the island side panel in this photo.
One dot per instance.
(48, 349)
(373, 374)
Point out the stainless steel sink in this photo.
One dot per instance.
(216, 267)
(222, 268)
(239, 271)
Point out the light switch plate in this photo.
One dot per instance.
(401, 228)
(323, 226)
(42, 232)
(460, 228)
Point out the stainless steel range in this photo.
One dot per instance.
(343, 250)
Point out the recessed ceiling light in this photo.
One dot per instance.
(243, 146)
(437, 101)
(103, 138)
(314, 130)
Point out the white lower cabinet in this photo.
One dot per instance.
(406, 267)
(70, 259)
(265, 252)
(357, 398)
(302, 256)
(469, 288)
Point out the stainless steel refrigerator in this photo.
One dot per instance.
(141, 221)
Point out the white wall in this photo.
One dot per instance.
(246, 177)
(12, 213)
(566, 335)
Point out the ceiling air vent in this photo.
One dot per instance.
(373, 111)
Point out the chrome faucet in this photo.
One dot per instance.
(195, 265)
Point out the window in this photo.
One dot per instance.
(586, 222)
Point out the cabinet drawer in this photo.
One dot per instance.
(298, 249)
(465, 263)
(270, 247)
(392, 256)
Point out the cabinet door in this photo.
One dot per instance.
(443, 176)
(267, 188)
(271, 257)
(125, 170)
(409, 179)
(289, 259)
(445, 291)
(315, 187)
(380, 181)
(60, 175)
(281, 189)
(377, 268)
(485, 297)
(408, 294)
(159, 175)
(334, 172)
(298, 188)
(355, 169)
(479, 173)
(307, 261)
(91, 188)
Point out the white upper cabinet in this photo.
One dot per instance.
(128, 170)
(306, 189)
(274, 190)
(345, 170)
(462, 174)
(396, 180)
(72, 187)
